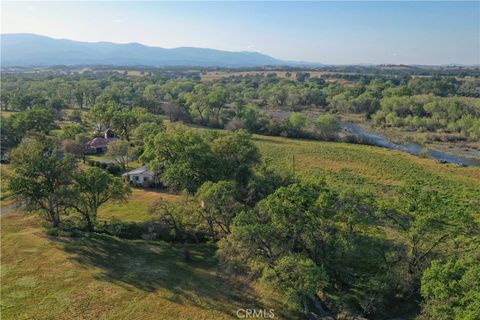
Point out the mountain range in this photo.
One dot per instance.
(28, 50)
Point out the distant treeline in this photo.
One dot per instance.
(443, 105)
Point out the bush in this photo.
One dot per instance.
(350, 138)
(63, 230)
(327, 128)
(235, 124)
(154, 230)
(121, 229)
(114, 169)
(150, 230)
(149, 184)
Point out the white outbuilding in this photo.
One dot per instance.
(140, 177)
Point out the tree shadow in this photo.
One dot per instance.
(149, 266)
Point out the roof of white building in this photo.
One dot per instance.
(140, 170)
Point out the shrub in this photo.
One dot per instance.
(121, 229)
(327, 125)
(235, 124)
(114, 168)
(150, 230)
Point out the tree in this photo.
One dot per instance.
(76, 148)
(305, 232)
(197, 101)
(327, 125)
(119, 150)
(10, 134)
(451, 290)
(183, 157)
(429, 225)
(237, 154)
(40, 179)
(219, 205)
(123, 122)
(277, 97)
(57, 104)
(69, 131)
(299, 278)
(19, 125)
(36, 119)
(101, 115)
(175, 112)
(264, 181)
(146, 129)
(92, 188)
(217, 98)
(302, 76)
(297, 123)
(250, 115)
(154, 96)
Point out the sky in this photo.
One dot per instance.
(405, 32)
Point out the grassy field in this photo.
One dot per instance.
(371, 168)
(137, 208)
(376, 169)
(102, 277)
(5, 200)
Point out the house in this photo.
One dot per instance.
(140, 177)
(100, 144)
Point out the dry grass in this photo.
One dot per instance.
(7, 114)
(102, 277)
(138, 206)
(5, 200)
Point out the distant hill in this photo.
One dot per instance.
(27, 50)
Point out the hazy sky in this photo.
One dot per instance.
(327, 32)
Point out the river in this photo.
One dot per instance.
(412, 148)
(381, 141)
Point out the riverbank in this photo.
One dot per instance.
(354, 125)
(460, 152)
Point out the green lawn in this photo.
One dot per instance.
(97, 157)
